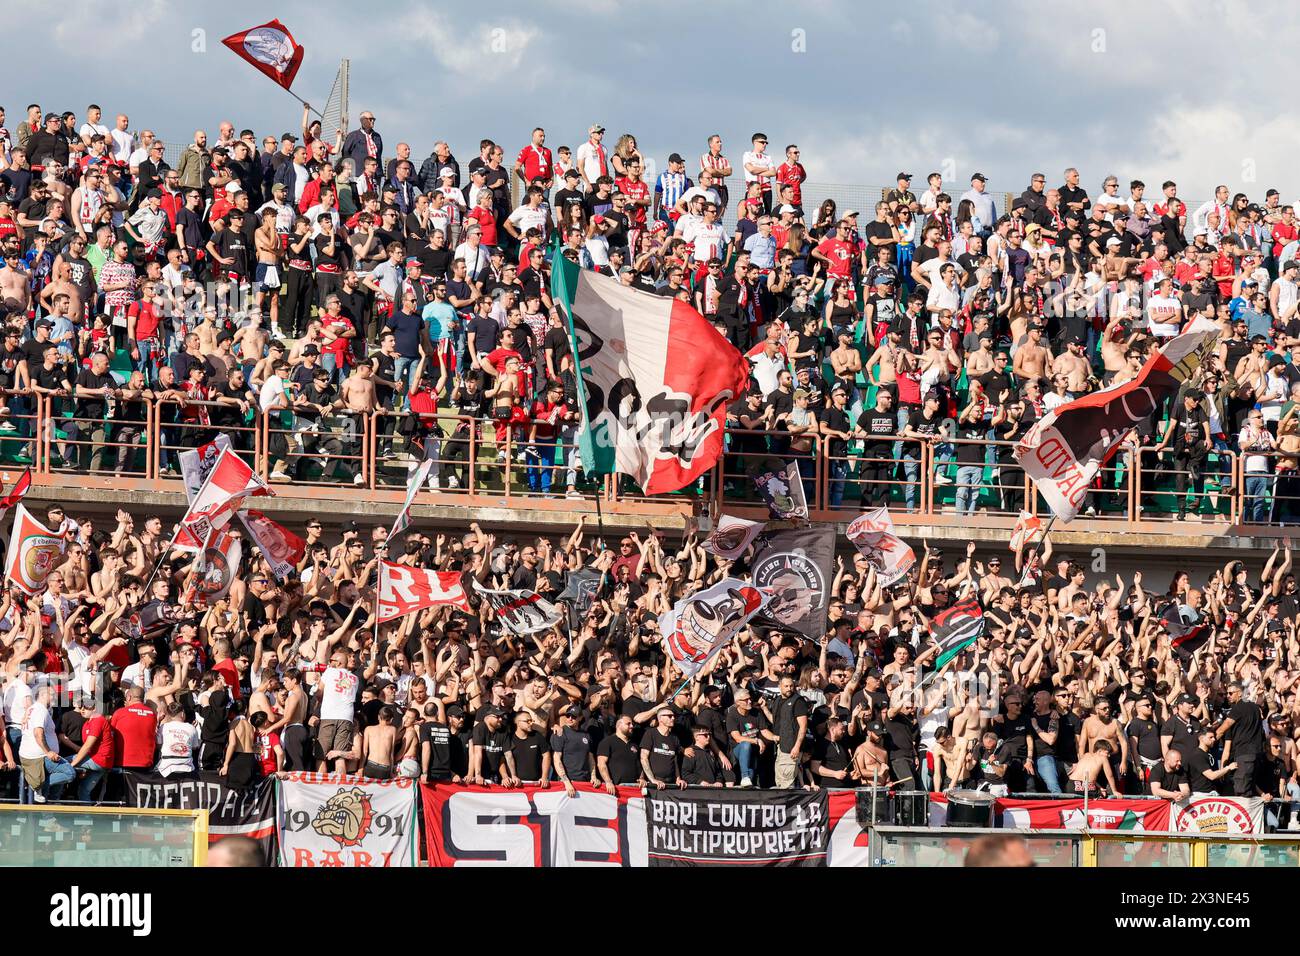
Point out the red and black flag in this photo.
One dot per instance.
(18, 492)
(271, 49)
(956, 628)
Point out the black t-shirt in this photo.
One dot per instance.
(924, 426)
(1247, 731)
(337, 259)
(232, 244)
(664, 750)
(901, 734)
(1195, 763)
(1147, 733)
(528, 753)
(702, 767)
(785, 714)
(1015, 733)
(96, 407)
(837, 419)
(1168, 779)
(747, 725)
(1183, 734)
(494, 746)
(485, 331)
(624, 759)
(439, 738)
(70, 726)
(1189, 427)
(1040, 724)
(878, 425)
(572, 748)
(832, 755)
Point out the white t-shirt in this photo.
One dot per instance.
(1163, 313)
(17, 698)
(708, 192)
(38, 715)
(525, 218)
(753, 159)
(708, 241)
(272, 391)
(90, 129)
(767, 372)
(587, 159)
(338, 689)
(177, 742)
(135, 675)
(123, 145)
(138, 157)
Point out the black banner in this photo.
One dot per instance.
(796, 564)
(703, 826)
(249, 812)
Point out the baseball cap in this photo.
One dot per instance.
(787, 208)
(903, 176)
(980, 176)
(849, 213)
(876, 727)
(412, 260)
(1186, 699)
(567, 173)
(446, 171)
(800, 393)
(675, 158)
(884, 278)
(310, 350)
(494, 712)
(595, 128)
(1201, 231)
(1113, 241)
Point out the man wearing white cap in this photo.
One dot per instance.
(592, 158)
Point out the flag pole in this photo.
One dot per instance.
(162, 556)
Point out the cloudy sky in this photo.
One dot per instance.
(1152, 90)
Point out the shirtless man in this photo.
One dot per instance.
(884, 359)
(357, 394)
(950, 763)
(1032, 357)
(1092, 765)
(264, 367)
(981, 360)
(207, 330)
(61, 284)
(1103, 728)
(1074, 366)
(250, 341)
(846, 361)
(267, 247)
(870, 761)
(15, 284)
(938, 362)
(378, 744)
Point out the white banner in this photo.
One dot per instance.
(1211, 813)
(872, 533)
(343, 820)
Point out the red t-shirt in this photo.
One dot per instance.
(545, 414)
(1283, 235)
(266, 744)
(1223, 271)
(136, 727)
(792, 174)
(840, 253)
(536, 161)
(339, 324)
(98, 726)
(228, 670)
(638, 191)
(487, 222)
(146, 319)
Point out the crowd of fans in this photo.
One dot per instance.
(317, 282)
(1073, 686)
(313, 283)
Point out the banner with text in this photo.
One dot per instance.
(533, 826)
(249, 812)
(706, 826)
(345, 820)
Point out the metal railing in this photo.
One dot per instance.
(484, 462)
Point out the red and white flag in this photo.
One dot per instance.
(1028, 530)
(228, 484)
(404, 590)
(872, 533)
(699, 626)
(214, 568)
(1066, 448)
(271, 49)
(34, 550)
(18, 492)
(282, 548)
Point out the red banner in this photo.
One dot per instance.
(271, 49)
(533, 826)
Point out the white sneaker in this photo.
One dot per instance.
(433, 483)
(940, 478)
(573, 493)
(746, 782)
(453, 482)
(38, 797)
(358, 480)
(8, 426)
(501, 456)
(280, 475)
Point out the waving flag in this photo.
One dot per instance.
(33, 552)
(228, 484)
(956, 628)
(520, 612)
(872, 533)
(782, 488)
(700, 625)
(404, 590)
(418, 476)
(18, 492)
(271, 49)
(655, 382)
(1028, 530)
(731, 537)
(215, 568)
(282, 548)
(1064, 450)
